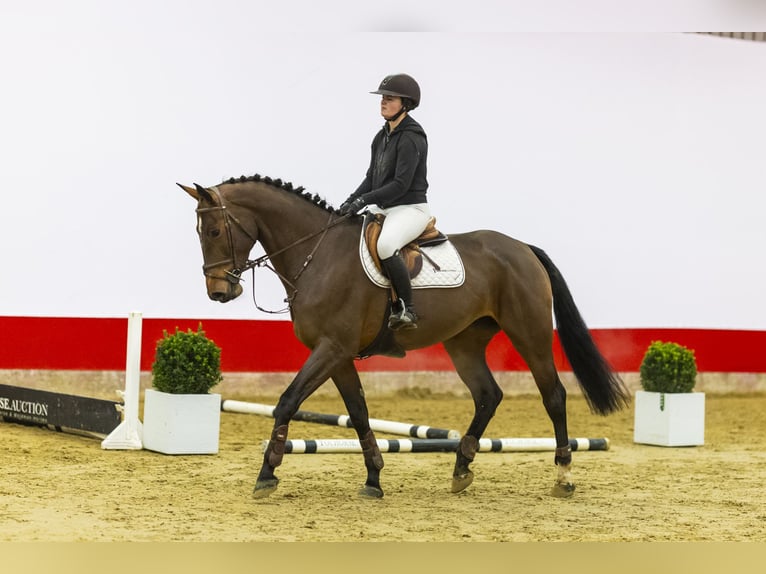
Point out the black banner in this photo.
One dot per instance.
(43, 408)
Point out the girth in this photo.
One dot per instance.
(411, 253)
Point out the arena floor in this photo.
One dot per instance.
(61, 487)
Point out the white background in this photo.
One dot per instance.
(632, 153)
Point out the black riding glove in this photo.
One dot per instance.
(352, 207)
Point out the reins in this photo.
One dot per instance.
(263, 261)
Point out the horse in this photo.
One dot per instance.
(340, 316)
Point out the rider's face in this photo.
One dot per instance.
(390, 106)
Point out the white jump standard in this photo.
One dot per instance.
(129, 434)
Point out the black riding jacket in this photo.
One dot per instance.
(397, 172)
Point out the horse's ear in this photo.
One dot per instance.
(203, 193)
(197, 192)
(190, 190)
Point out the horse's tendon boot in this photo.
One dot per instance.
(276, 447)
(373, 460)
(463, 476)
(468, 447)
(371, 451)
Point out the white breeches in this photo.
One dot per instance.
(403, 224)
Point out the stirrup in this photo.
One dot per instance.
(403, 319)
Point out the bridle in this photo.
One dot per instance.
(234, 276)
(228, 219)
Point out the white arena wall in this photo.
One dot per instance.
(633, 157)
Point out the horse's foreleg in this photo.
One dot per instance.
(267, 481)
(347, 381)
(315, 371)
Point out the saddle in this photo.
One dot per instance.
(411, 253)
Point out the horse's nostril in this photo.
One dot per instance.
(218, 296)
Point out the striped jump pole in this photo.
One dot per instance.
(378, 425)
(334, 446)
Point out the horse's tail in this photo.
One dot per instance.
(602, 387)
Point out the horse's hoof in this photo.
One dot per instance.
(264, 488)
(462, 481)
(563, 490)
(371, 492)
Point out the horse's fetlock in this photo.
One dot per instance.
(563, 456)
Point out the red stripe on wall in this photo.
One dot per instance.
(75, 343)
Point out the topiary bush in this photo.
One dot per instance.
(186, 363)
(668, 368)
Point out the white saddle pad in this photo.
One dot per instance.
(450, 273)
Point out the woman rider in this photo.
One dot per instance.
(396, 185)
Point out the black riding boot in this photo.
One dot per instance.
(404, 317)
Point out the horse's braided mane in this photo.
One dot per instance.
(300, 191)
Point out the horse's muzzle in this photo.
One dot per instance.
(223, 291)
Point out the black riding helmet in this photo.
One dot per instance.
(403, 86)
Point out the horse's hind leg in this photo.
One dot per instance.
(347, 381)
(467, 351)
(536, 350)
(555, 402)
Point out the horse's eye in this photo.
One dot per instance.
(215, 232)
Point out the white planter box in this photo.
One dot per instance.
(669, 419)
(181, 424)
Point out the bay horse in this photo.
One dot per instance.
(339, 314)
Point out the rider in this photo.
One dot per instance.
(396, 185)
